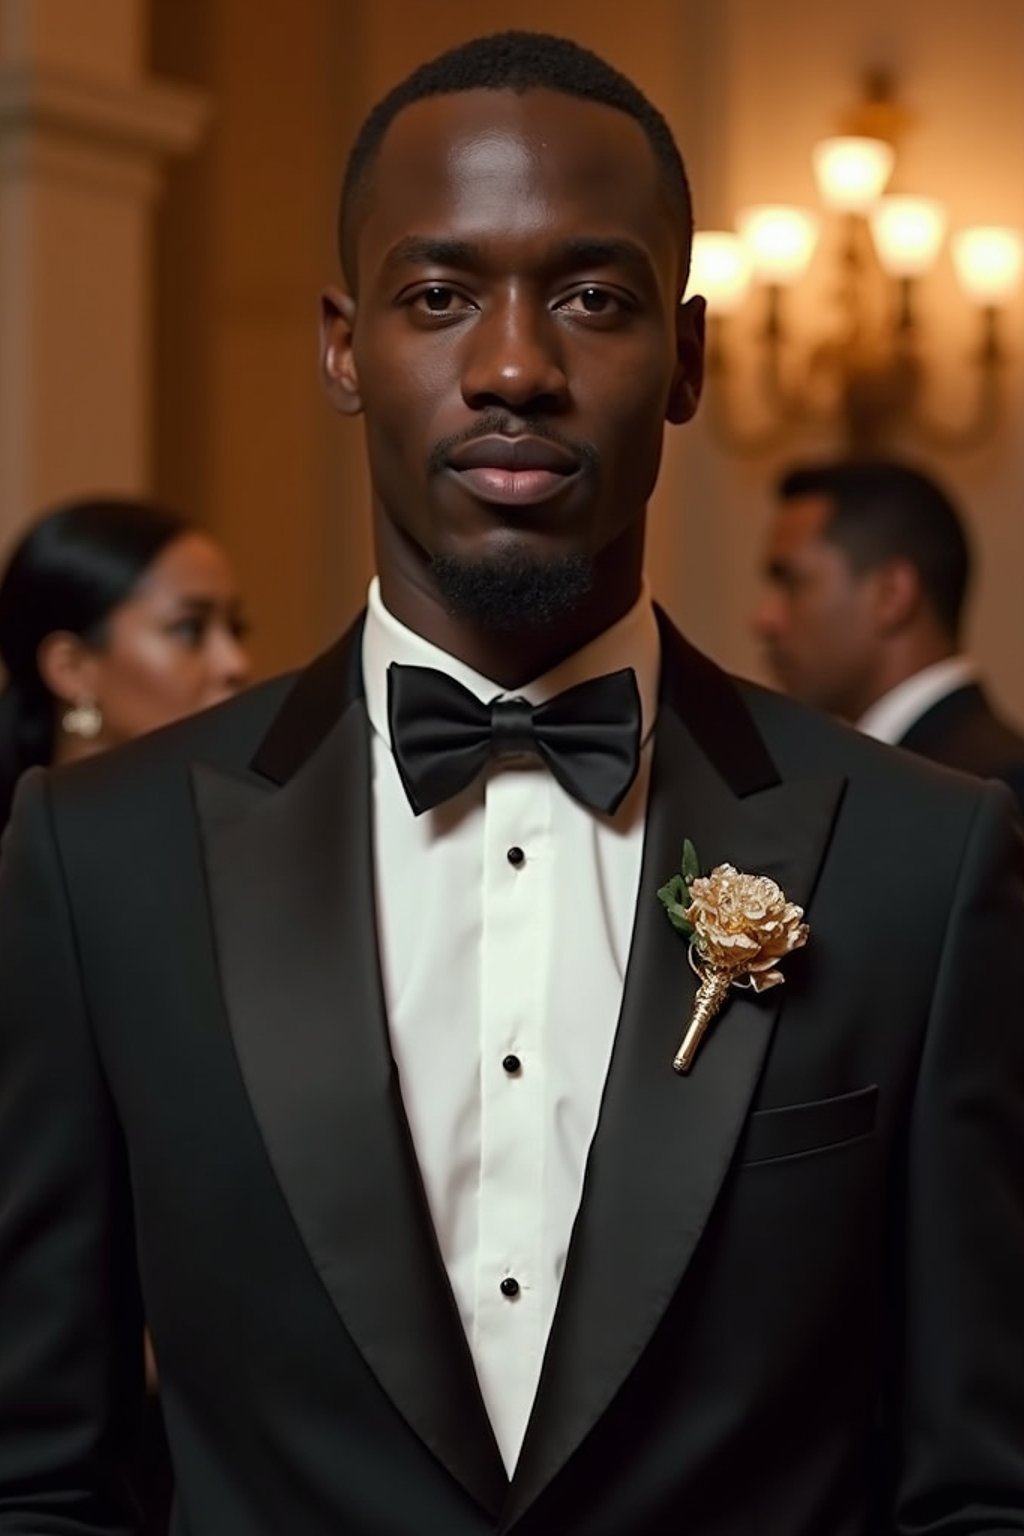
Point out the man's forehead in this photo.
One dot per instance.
(517, 138)
(802, 520)
(506, 158)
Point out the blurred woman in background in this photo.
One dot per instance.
(116, 617)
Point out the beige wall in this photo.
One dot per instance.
(244, 437)
(84, 133)
(246, 239)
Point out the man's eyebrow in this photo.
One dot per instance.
(584, 251)
(595, 251)
(433, 251)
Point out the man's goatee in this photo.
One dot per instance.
(513, 592)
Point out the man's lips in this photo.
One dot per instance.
(518, 470)
(513, 453)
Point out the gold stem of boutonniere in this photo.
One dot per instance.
(711, 994)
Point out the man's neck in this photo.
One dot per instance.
(903, 659)
(900, 658)
(510, 657)
(896, 712)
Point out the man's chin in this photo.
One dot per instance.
(513, 590)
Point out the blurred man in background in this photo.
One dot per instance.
(867, 569)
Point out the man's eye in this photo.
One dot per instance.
(438, 300)
(592, 301)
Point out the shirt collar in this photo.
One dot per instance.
(890, 717)
(633, 641)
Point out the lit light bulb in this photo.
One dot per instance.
(908, 233)
(852, 172)
(719, 269)
(988, 262)
(780, 241)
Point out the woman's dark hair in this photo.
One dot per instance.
(73, 567)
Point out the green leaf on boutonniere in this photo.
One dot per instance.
(675, 896)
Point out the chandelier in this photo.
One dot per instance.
(866, 371)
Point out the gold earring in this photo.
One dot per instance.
(84, 720)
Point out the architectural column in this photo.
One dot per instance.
(83, 136)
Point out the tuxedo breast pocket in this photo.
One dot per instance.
(793, 1130)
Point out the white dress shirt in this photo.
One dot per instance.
(890, 717)
(503, 982)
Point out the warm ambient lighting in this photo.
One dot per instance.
(858, 361)
(908, 233)
(851, 172)
(780, 241)
(988, 263)
(720, 269)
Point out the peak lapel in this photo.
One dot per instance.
(664, 1142)
(290, 874)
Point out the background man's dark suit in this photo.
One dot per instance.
(963, 731)
(816, 1237)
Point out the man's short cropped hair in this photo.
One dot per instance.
(515, 61)
(881, 511)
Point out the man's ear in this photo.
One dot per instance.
(897, 595)
(688, 379)
(337, 364)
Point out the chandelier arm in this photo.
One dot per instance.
(723, 418)
(743, 445)
(976, 431)
(787, 409)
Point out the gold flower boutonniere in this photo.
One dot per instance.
(739, 927)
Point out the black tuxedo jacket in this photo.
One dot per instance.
(794, 1299)
(963, 731)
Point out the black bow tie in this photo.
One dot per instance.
(442, 735)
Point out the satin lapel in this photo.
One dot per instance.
(291, 886)
(664, 1142)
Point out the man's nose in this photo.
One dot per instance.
(767, 619)
(516, 360)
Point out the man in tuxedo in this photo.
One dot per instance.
(338, 1024)
(866, 572)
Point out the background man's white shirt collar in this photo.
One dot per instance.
(890, 717)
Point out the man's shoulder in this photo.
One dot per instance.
(904, 823)
(982, 728)
(964, 730)
(806, 743)
(802, 743)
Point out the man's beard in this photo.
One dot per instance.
(513, 592)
